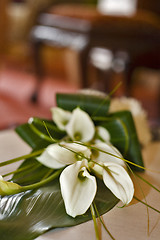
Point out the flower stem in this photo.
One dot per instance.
(115, 89)
(22, 169)
(36, 153)
(101, 220)
(98, 237)
(106, 98)
(39, 133)
(42, 182)
(135, 176)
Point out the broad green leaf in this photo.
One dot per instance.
(93, 105)
(123, 136)
(25, 216)
(34, 172)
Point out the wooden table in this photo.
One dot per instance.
(129, 223)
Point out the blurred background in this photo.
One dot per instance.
(49, 46)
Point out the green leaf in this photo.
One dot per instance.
(93, 105)
(34, 173)
(27, 215)
(33, 139)
(124, 136)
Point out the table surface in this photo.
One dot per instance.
(127, 223)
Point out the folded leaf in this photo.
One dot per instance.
(93, 105)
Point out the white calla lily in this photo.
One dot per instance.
(119, 182)
(55, 156)
(80, 126)
(49, 160)
(60, 117)
(102, 156)
(78, 188)
(59, 155)
(102, 135)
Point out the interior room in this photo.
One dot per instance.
(108, 50)
(33, 69)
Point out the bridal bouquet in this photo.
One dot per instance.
(79, 168)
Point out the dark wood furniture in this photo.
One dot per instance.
(82, 28)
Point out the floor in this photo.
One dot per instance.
(16, 89)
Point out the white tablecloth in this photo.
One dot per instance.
(128, 223)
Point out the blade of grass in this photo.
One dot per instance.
(156, 210)
(33, 154)
(144, 180)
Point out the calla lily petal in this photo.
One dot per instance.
(78, 188)
(119, 182)
(102, 135)
(55, 156)
(104, 157)
(60, 117)
(80, 126)
(82, 151)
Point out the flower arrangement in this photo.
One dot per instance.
(79, 168)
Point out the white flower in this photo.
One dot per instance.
(102, 135)
(78, 124)
(118, 181)
(80, 127)
(101, 156)
(59, 155)
(75, 181)
(112, 170)
(60, 117)
(78, 186)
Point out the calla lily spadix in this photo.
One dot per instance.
(84, 162)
